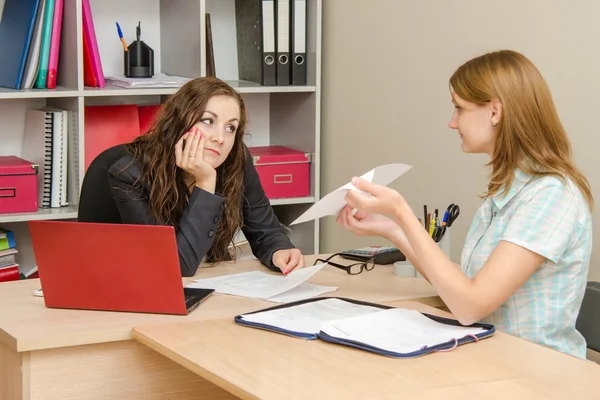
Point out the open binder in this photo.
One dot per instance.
(294, 319)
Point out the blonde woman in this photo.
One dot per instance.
(525, 260)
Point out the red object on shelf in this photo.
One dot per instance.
(18, 185)
(283, 172)
(108, 126)
(10, 273)
(146, 116)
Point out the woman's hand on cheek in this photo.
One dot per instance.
(190, 158)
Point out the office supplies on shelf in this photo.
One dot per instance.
(260, 285)
(120, 33)
(138, 60)
(18, 185)
(92, 46)
(33, 55)
(255, 32)
(283, 172)
(334, 202)
(76, 270)
(210, 51)
(393, 332)
(55, 45)
(283, 42)
(298, 42)
(157, 81)
(45, 143)
(42, 75)
(16, 31)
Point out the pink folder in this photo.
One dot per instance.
(55, 44)
(90, 33)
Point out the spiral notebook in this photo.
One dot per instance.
(45, 143)
(384, 330)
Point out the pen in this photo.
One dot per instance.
(445, 220)
(121, 37)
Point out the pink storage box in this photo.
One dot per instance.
(18, 185)
(283, 172)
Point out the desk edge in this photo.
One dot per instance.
(204, 373)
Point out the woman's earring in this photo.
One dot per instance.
(494, 126)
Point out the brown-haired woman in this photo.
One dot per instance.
(192, 171)
(526, 257)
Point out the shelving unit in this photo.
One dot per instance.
(279, 115)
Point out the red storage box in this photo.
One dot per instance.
(18, 185)
(283, 172)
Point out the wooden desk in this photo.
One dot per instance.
(74, 354)
(254, 364)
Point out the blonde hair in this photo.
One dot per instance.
(530, 134)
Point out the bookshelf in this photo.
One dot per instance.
(278, 115)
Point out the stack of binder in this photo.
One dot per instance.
(9, 269)
(271, 41)
(30, 33)
(46, 143)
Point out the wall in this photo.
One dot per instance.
(386, 66)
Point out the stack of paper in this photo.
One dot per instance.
(396, 330)
(157, 81)
(260, 285)
(309, 317)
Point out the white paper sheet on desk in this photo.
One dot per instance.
(334, 202)
(308, 318)
(260, 285)
(398, 330)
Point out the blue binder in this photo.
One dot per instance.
(16, 30)
(488, 330)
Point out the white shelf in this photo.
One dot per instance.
(117, 91)
(251, 87)
(239, 86)
(37, 93)
(292, 200)
(41, 214)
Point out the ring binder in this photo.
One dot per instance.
(325, 330)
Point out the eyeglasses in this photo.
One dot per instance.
(352, 269)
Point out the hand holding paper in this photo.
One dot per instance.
(334, 202)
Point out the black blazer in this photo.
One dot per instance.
(110, 195)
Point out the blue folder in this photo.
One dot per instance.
(16, 30)
(488, 330)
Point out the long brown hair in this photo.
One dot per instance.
(530, 134)
(169, 194)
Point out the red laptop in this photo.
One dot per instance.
(111, 267)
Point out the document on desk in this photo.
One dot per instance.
(396, 330)
(334, 202)
(260, 285)
(309, 317)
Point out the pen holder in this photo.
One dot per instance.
(138, 60)
(446, 242)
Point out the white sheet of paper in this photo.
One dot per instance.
(398, 330)
(301, 292)
(334, 202)
(308, 317)
(257, 284)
